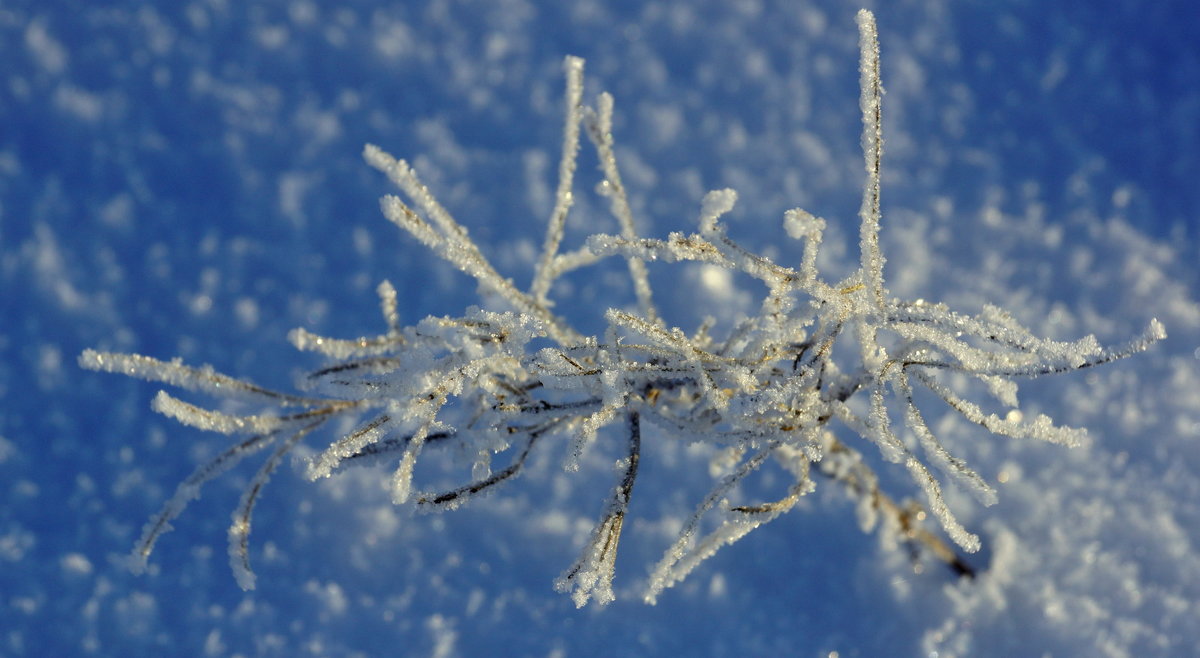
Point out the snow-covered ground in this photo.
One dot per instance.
(184, 179)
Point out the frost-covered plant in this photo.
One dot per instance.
(818, 355)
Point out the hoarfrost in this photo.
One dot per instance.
(784, 386)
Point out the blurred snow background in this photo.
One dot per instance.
(183, 178)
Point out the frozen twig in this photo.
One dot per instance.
(776, 388)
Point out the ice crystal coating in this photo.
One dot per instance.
(774, 389)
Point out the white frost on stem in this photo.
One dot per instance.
(778, 387)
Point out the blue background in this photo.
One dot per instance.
(183, 179)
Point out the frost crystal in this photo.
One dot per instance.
(494, 382)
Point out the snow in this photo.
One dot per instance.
(184, 179)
